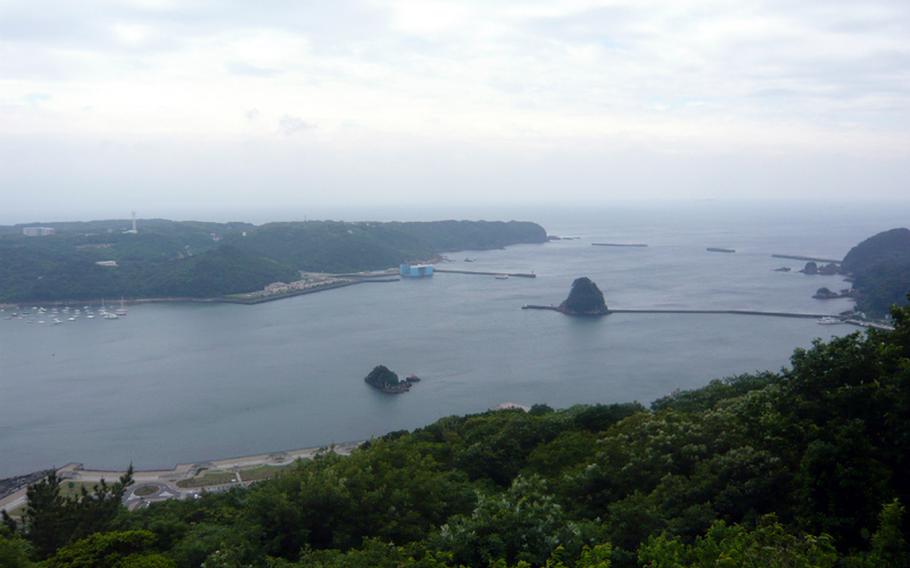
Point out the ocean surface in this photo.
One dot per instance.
(186, 383)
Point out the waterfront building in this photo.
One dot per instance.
(38, 231)
(415, 270)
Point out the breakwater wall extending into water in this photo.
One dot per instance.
(481, 273)
(807, 258)
(681, 311)
(802, 315)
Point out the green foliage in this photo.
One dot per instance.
(332, 246)
(373, 554)
(14, 551)
(882, 286)
(382, 377)
(885, 247)
(126, 549)
(881, 269)
(52, 520)
(889, 543)
(769, 545)
(523, 524)
(707, 397)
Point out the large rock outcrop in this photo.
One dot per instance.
(585, 299)
(386, 380)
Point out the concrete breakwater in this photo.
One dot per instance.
(806, 258)
(682, 311)
(635, 245)
(482, 273)
(239, 299)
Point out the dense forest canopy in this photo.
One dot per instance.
(196, 259)
(798, 468)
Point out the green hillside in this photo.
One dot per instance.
(880, 267)
(197, 259)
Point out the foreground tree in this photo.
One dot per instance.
(52, 520)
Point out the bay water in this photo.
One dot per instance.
(175, 383)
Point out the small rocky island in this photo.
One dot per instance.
(585, 299)
(826, 269)
(386, 380)
(825, 293)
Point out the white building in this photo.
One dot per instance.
(38, 231)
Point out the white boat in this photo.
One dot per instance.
(828, 321)
(502, 276)
(71, 318)
(57, 321)
(90, 316)
(111, 316)
(121, 311)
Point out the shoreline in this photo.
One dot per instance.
(170, 479)
(344, 279)
(193, 300)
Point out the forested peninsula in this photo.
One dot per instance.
(107, 259)
(880, 268)
(805, 467)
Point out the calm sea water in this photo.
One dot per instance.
(185, 383)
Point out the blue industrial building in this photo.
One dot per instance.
(415, 270)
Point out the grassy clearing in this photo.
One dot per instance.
(261, 472)
(146, 490)
(74, 488)
(17, 513)
(208, 478)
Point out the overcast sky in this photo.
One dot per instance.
(178, 105)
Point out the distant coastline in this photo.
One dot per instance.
(170, 261)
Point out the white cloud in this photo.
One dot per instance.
(289, 125)
(757, 79)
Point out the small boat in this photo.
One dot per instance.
(828, 321)
(412, 379)
(111, 316)
(57, 321)
(90, 316)
(71, 318)
(502, 276)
